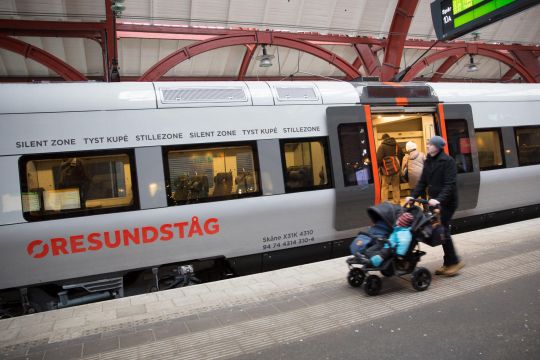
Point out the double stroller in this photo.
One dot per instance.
(394, 250)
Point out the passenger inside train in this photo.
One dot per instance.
(417, 128)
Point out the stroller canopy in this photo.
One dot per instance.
(385, 211)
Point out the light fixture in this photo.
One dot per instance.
(265, 59)
(471, 66)
(118, 6)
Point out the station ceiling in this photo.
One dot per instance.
(50, 40)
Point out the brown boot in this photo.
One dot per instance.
(441, 270)
(452, 270)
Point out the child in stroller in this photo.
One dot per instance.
(391, 247)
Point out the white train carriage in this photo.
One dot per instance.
(111, 189)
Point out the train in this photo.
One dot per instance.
(114, 189)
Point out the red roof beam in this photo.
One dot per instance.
(250, 50)
(368, 59)
(255, 37)
(509, 75)
(471, 49)
(399, 28)
(444, 68)
(51, 28)
(530, 61)
(50, 61)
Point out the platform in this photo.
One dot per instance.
(245, 316)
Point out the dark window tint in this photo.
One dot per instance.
(306, 164)
(77, 184)
(459, 144)
(528, 144)
(355, 156)
(490, 150)
(211, 173)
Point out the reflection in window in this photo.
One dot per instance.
(306, 165)
(459, 144)
(528, 144)
(490, 153)
(217, 173)
(355, 160)
(71, 186)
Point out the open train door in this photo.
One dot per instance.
(458, 128)
(351, 153)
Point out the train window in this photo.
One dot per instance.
(459, 144)
(306, 164)
(77, 184)
(211, 173)
(490, 151)
(355, 157)
(528, 144)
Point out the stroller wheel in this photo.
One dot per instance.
(421, 279)
(373, 285)
(356, 277)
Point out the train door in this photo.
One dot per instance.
(407, 129)
(458, 129)
(417, 125)
(351, 152)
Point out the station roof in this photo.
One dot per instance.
(222, 40)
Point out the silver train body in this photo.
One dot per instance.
(248, 233)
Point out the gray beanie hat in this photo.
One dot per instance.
(437, 141)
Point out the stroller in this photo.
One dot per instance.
(393, 259)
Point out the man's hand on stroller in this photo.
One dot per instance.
(433, 202)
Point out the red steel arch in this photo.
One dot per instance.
(253, 37)
(50, 61)
(399, 28)
(475, 49)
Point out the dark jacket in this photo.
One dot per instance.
(439, 180)
(387, 148)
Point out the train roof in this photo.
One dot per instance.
(88, 96)
(485, 92)
(94, 96)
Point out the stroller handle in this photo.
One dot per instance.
(425, 202)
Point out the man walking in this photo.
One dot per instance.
(439, 180)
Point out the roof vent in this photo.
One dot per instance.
(296, 93)
(203, 94)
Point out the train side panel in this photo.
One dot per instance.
(500, 106)
(139, 239)
(52, 250)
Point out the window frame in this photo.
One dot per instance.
(341, 152)
(516, 128)
(469, 163)
(501, 148)
(210, 146)
(24, 159)
(330, 176)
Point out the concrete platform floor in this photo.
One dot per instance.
(264, 314)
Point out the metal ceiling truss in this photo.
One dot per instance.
(399, 28)
(44, 58)
(465, 49)
(247, 38)
(522, 60)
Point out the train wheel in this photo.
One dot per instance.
(421, 279)
(356, 277)
(39, 300)
(373, 285)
